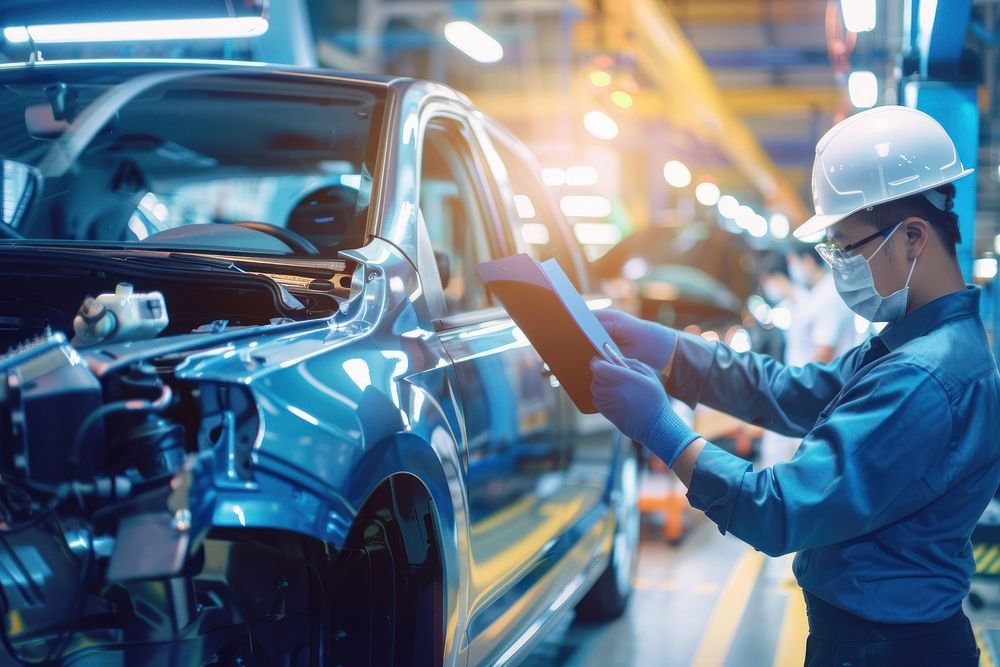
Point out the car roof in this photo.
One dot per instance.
(137, 66)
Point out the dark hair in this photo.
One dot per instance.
(769, 261)
(944, 223)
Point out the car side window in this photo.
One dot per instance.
(543, 231)
(454, 206)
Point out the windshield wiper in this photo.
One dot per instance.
(201, 260)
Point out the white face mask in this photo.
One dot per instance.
(856, 286)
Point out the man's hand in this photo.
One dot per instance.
(634, 400)
(650, 343)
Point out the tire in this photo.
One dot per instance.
(389, 588)
(608, 597)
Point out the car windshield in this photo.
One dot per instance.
(220, 160)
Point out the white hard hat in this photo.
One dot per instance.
(876, 156)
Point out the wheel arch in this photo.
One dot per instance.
(413, 480)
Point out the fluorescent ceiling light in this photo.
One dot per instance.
(525, 207)
(677, 174)
(985, 268)
(622, 99)
(535, 233)
(728, 206)
(553, 176)
(707, 193)
(757, 227)
(600, 78)
(473, 42)
(581, 175)
(597, 233)
(600, 124)
(863, 89)
(859, 15)
(779, 226)
(134, 31)
(585, 206)
(781, 317)
(745, 216)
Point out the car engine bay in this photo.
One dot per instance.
(97, 440)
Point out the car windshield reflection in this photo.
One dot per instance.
(245, 162)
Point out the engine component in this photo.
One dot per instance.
(46, 393)
(154, 447)
(118, 317)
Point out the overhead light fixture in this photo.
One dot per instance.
(473, 41)
(757, 226)
(779, 226)
(600, 124)
(677, 174)
(745, 216)
(535, 233)
(621, 99)
(600, 78)
(863, 89)
(597, 233)
(525, 207)
(728, 206)
(707, 193)
(554, 176)
(985, 268)
(134, 31)
(585, 206)
(859, 15)
(581, 175)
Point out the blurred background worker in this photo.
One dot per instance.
(898, 458)
(821, 326)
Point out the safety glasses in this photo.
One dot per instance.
(838, 257)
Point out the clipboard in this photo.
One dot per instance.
(545, 305)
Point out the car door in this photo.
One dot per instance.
(516, 440)
(537, 227)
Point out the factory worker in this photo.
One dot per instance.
(900, 448)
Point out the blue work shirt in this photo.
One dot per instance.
(899, 458)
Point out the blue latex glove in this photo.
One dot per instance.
(650, 343)
(634, 400)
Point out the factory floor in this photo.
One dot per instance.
(710, 601)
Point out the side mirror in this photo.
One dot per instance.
(443, 261)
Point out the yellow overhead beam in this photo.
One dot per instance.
(653, 104)
(746, 11)
(691, 100)
(664, 52)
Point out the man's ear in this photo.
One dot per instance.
(918, 233)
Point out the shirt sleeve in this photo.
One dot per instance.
(881, 454)
(755, 387)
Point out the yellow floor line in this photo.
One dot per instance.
(791, 648)
(721, 629)
(986, 658)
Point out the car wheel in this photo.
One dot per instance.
(609, 596)
(388, 588)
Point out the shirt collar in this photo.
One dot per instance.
(957, 304)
